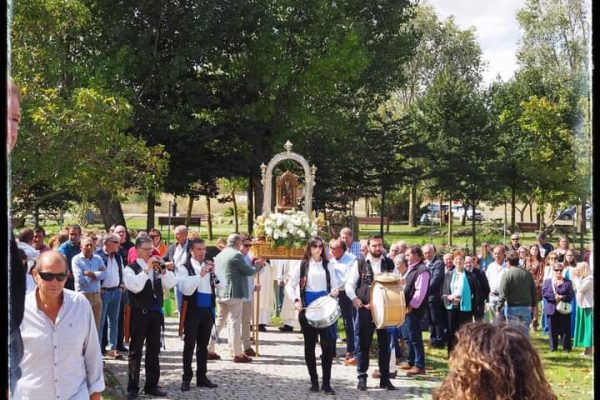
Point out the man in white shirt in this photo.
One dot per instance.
(494, 274)
(145, 281)
(176, 256)
(342, 262)
(62, 358)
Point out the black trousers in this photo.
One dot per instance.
(327, 349)
(438, 322)
(456, 318)
(198, 325)
(559, 325)
(365, 330)
(348, 311)
(145, 327)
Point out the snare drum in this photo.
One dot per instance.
(323, 312)
(388, 306)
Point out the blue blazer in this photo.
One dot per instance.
(565, 290)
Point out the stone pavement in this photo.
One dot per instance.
(278, 373)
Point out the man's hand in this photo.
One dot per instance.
(170, 265)
(335, 292)
(409, 309)
(257, 288)
(357, 302)
(280, 283)
(90, 274)
(298, 305)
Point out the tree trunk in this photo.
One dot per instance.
(449, 220)
(513, 201)
(412, 206)
(110, 210)
(258, 196)
(250, 203)
(441, 214)
(235, 210)
(474, 234)
(367, 211)
(151, 201)
(209, 219)
(188, 215)
(381, 214)
(531, 210)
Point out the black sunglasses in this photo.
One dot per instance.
(314, 246)
(48, 276)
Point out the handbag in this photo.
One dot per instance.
(563, 307)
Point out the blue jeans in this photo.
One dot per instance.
(111, 302)
(416, 350)
(395, 333)
(520, 316)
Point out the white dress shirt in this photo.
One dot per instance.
(135, 283)
(353, 277)
(342, 267)
(188, 284)
(494, 275)
(316, 279)
(61, 360)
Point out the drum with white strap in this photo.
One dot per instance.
(388, 307)
(323, 312)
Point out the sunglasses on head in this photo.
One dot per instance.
(48, 276)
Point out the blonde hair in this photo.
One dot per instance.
(584, 269)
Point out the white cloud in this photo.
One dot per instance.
(496, 28)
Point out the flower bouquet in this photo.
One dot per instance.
(290, 229)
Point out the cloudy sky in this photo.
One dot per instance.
(496, 27)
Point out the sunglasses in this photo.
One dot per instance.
(48, 276)
(315, 246)
(558, 270)
(247, 244)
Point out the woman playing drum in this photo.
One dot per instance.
(312, 280)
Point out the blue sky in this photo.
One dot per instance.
(496, 28)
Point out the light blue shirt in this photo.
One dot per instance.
(342, 267)
(80, 265)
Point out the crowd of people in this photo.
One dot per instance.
(125, 284)
(78, 294)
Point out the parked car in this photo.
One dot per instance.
(477, 215)
(567, 213)
(458, 211)
(433, 210)
(589, 214)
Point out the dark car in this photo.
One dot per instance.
(567, 213)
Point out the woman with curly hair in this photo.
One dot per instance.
(494, 362)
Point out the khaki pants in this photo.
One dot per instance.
(96, 301)
(232, 310)
(247, 313)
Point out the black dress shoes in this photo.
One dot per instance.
(328, 390)
(314, 386)
(286, 328)
(132, 395)
(362, 384)
(387, 385)
(156, 392)
(185, 386)
(262, 328)
(205, 382)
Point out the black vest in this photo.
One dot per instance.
(119, 260)
(147, 298)
(365, 277)
(303, 272)
(191, 299)
(409, 287)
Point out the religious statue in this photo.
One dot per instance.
(287, 189)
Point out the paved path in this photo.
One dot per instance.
(279, 373)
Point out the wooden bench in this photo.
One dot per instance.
(528, 226)
(179, 220)
(373, 220)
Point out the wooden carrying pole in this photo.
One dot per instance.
(256, 311)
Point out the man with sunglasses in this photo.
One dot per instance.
(110, 291)
(62, 356)
(145, 281)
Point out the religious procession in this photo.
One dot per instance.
(376, 201)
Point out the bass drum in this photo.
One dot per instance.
(323, 312)
(388, 307)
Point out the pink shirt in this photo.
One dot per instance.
(421, 286)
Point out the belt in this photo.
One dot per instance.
(111, 288)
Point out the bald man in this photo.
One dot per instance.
(62, 357)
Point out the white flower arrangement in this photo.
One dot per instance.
(288, 229)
